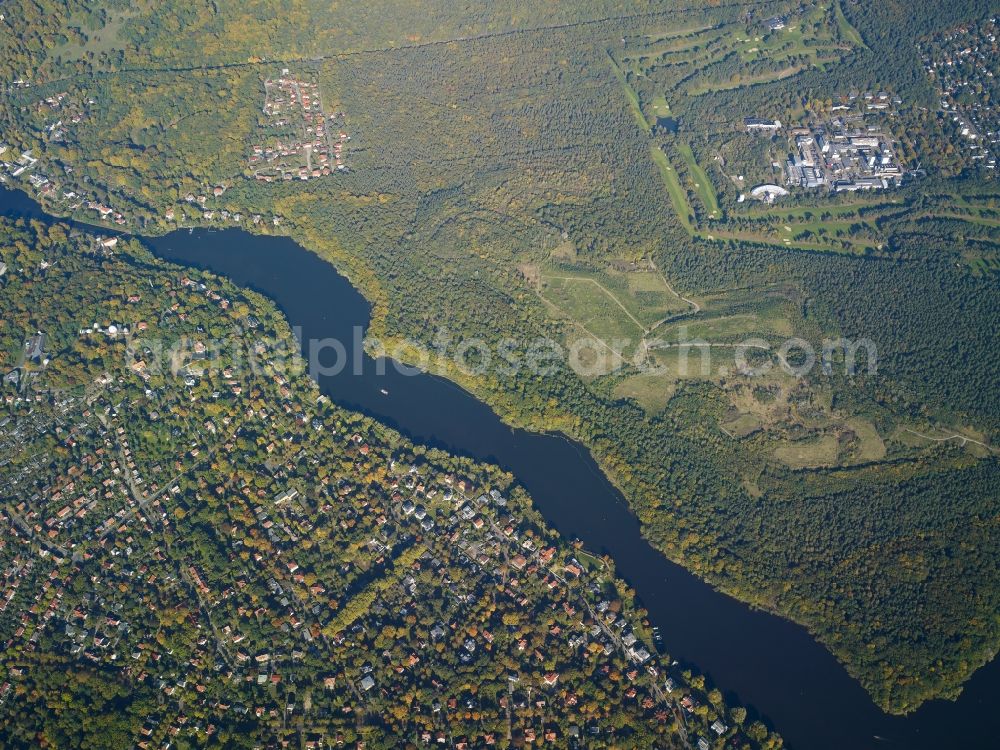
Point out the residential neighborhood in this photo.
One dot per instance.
(962, 64)
(218, 536)
(300, 139)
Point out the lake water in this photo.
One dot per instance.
(762, 661)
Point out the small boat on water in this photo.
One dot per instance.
(383, 391)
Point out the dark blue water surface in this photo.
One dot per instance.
(760, 660)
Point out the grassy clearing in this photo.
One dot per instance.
(646, 295)
(611, 304)
(847, 31)
(922, 436)
(785, 44)
(871, 447)
(698, 59)
(739, 82)
(662, 36)
(595, 310)
(985, 266)
(743, 426)
(703, 185)
(678, 197)
(836, 222)
(830, 226)
(978, 209)
(589, 303)
(98, 42)
(651, 392)
(661, 50)
(977, 218)
(811, 453)
(660, 106)
(729, 329)
(853, 247)
(840, 210)
(837, 230)
(633, 98)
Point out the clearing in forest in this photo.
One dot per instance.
(702, 182)
(732, 55)
(619, 306)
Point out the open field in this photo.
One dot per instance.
(973, 209)
(871, 447)
(847, 31)
(970, 218)
(663, 50)
(678, 198)
(858, 233)
(652, 390)
(702, 183)
(809, 453)
(661, 108)
(742, 426)
(728, 328)
(837, 210)
(922, 437)
(633, 99)
(619, 307)
(839, 246)
(857, 224)
(595, 310)
(645, 294)
(699, 61)
(743, 81)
